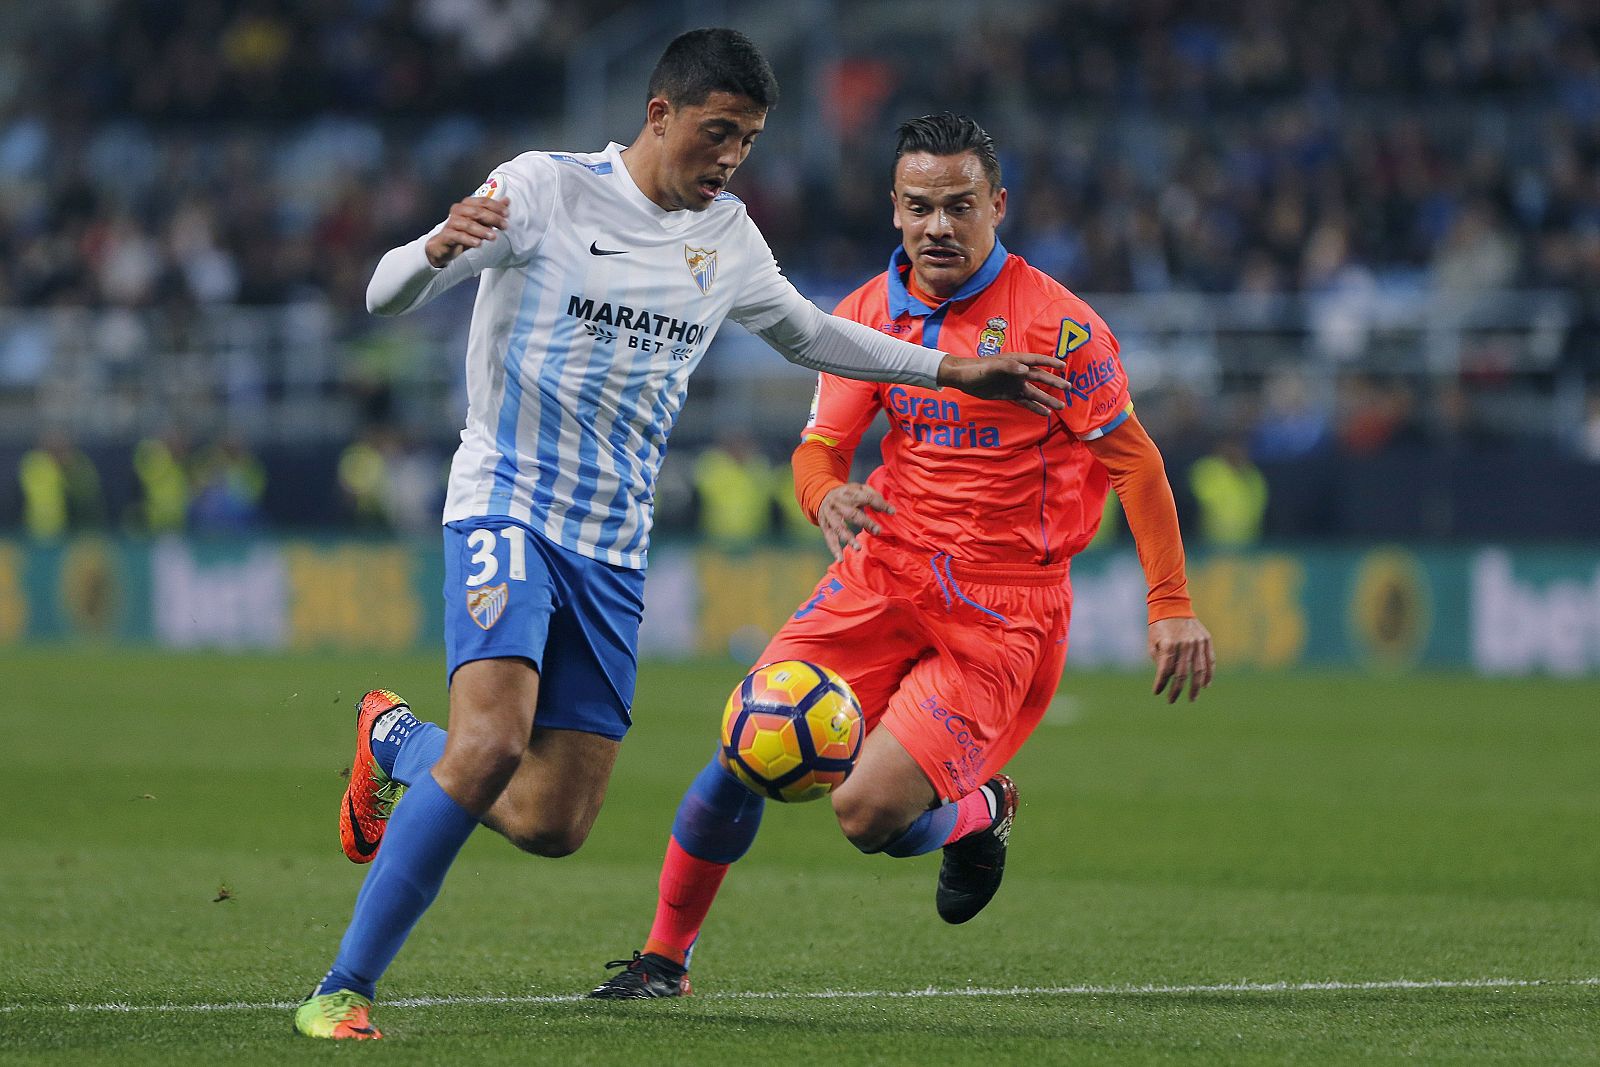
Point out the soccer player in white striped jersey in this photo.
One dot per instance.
(603, 278)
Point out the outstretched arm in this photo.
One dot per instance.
(1179, 644)
(812, 338)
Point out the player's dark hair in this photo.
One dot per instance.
(701, 62)
(947, 134)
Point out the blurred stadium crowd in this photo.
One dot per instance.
(178, 158)
(218, 152)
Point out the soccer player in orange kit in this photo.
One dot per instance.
(946, 608)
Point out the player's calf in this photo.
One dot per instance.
(887, 804)
(551, 803)
(867, 822)
(896, 812)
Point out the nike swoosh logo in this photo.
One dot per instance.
(596, 250)
(363, 846)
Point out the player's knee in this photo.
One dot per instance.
(488, 763)
(552, 842)
(867, 825)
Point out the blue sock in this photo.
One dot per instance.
(425, 832)
(930, 831)
(389, 733)
(718, 817)
(415, 756)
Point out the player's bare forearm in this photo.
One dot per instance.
(1021, 378)
(1182, 651)
(472, 222)
(847, 509)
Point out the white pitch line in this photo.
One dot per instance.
(886, 994)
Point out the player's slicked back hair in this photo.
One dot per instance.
(701, 62)
(947, 134)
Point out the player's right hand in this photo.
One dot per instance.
(472, 222)
(847, 509)
(1014, 376)
(1182, 652)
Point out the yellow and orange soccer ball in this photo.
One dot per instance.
(791, 731)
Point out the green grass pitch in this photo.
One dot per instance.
(1296, 869)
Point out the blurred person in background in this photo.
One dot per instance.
(160, 463)
(1375, 413)
(793, 523)
(391, 482)
(1292, 423)
(364, 479)
(60, 489)
(228, 485)
(1231, 494)
(415, 478)
(1589, 433)
(732, 482)
(1112, 524)
(1477, 254)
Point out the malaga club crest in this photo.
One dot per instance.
(993, 337)
(487, 605)
(702, 265)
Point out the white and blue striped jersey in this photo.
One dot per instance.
(593, 308)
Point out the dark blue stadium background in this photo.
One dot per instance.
(1360, 239)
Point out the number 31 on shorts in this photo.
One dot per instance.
(484, 565)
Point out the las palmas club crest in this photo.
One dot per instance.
(703, 265)
(487, 605)
(993, 337)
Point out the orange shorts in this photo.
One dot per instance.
(958, 660)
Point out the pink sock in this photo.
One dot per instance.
(687, 888)
(973, 813)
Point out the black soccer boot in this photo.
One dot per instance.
(973, 866)
(644, 977)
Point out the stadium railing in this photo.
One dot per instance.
(303, 371)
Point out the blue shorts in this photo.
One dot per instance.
(510, 592)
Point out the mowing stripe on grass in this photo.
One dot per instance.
(873, 994)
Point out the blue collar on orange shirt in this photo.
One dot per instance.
(901, 302)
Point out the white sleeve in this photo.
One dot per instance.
(773, 309)
(404, 279)
(812, 338)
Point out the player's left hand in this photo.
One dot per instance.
(1182, 652)
(471, 222)
(846, 509)
(1016, 377)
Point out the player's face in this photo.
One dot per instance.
(946, 212)
(702, 145)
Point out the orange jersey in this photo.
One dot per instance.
(984, 480)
